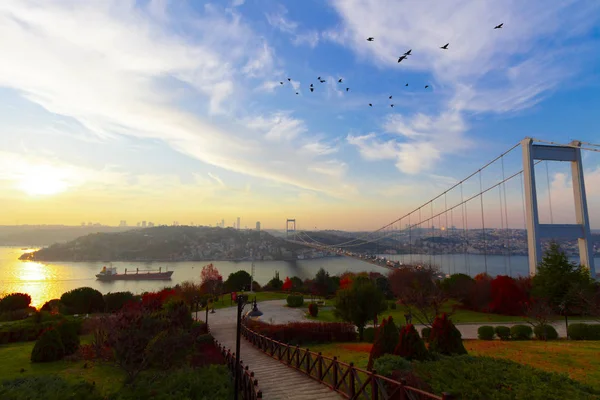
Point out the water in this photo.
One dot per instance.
(49, 280)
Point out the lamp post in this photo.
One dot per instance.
(242, 300)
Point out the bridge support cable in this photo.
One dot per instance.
(464, 220)
(410, 240)
(508, 235)
(483, 223)
(452, 255)
(502, 230)
(431, 240)
(549, 193)
(446, 229)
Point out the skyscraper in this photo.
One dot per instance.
(143, 224)
(238, 223)
(258, 226)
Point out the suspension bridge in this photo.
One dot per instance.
(532, 193)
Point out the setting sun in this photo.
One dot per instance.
(42, 181)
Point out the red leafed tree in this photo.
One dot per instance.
(155, 300)
(211, 279)
(506, 296)
(346, 280)
(287, 284)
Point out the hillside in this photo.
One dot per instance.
(43, 235)
(170, 243)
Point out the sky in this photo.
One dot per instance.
(164, 110)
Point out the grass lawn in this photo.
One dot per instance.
(579, 360)
(15, 356)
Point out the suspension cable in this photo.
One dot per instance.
(464, 220)
(507, 233)
(483, 223)
(549, 193)
(502, 228)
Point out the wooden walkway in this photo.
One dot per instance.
(276, 380)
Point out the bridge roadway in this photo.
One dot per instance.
(342, 253)
(276, 380)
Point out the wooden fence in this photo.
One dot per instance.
(346, 379)
(248, 386)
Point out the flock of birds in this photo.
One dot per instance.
(400, 59)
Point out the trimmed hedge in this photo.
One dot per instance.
(305, 332)
(545, 332)
(521, 332)
(388, 363)
(29, 329)
(369, 334)
(477, 378)
(48, 347)
(485, 332)
(584, 331)
(503, 332)
(47, 387)
(295, 300)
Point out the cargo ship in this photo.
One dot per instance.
(110, 274)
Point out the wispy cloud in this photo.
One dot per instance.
(279, 20)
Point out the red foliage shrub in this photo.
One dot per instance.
(154, 300)
(346, 280)
(89, 352)
(410, 344)
(287, 284)
(445, 338)
(386, 340)
(479, 295)
(305, 332)
(506, 296)
(206, 354)
(313, 309)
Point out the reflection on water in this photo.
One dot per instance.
(45, 281)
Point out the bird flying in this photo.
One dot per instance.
(347, 89)
(322, 81)
(370, 39)
(408, 53)
(319, 78)
(445, 47)
(296, 92)
(340, 80)
(390, 97)
(312, 89)
(391, 105)
(426, 86)
(281, 83)
(289, 79)
(401, 58)
(499, 26)
(406, 84)
(311, 85)
(370, 105)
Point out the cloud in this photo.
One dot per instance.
(309, 38)
(132, 74)
(484, 70)
(279, 20)
(237, 3)
(217, 179)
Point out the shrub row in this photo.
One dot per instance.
(517, 332)
(295, 300)
(29, 329)
(305, 332)
(584, 331)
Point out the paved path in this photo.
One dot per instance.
(276, 380)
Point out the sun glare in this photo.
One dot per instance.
(42, 182)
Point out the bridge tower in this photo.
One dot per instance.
(537, 231)
(290, 228)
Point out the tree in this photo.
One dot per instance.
(83, 300)
(360, 303)
(346, 280)
(419, 292)
(323, 283)
(287, 284)
(297, 284)
(445, 338)
(211, 279)
(506, 296)
(15, 301)
(410, 344)
(386, 340)
(557, 280)
(237, 281)
(275, 283)
(538, 312)
(458, 286)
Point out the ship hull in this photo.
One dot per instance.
(151, 276)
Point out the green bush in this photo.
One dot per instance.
(521, 332)
(313, 309)
(393, 305)
(178, 313)
(48, 347)
(584, 331)
(425, 333)
(389, 363)
(169, 348)
(386, 340)
(213, 382)
(485, 332)
(410, 345)
(83, 300)
(53, 306)
(476, 378)
(295, 300)
(545, 332)
(445, 337)
(369, 334)
(68, 331)
(115, 301)
(503, 332)
(15, 301)
(46, 387)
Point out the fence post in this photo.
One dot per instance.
(297, 356)
(352, 383)
(307, 361)
(335, 373)
(403, 395)
(320, 366)
(447, 396)
(374, 387)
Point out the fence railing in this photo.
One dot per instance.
(346, 379)
(248, 385)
